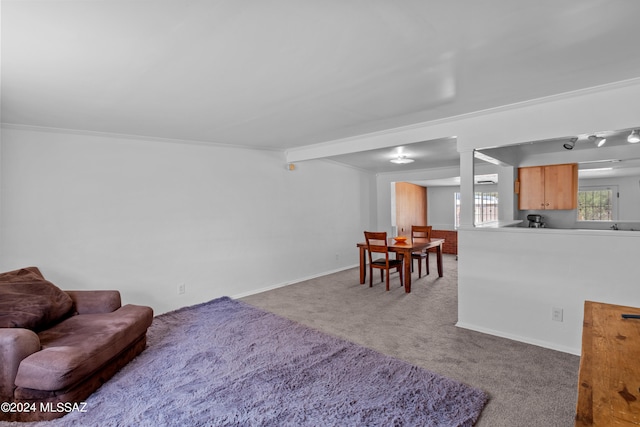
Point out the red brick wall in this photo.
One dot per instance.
(450, 245)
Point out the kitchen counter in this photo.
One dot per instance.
(499, 224)
(514, 227)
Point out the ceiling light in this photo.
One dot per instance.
(481, 156)
(602, 161)
(594, 170)
(401, 160)
(634, 137)
(569, 145)
(598, 140)
(597, 172)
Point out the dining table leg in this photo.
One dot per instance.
(439, 251)
(406, 255)
(363, 265)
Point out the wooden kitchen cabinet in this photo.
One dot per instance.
(548, 187)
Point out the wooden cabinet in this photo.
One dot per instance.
(609, 379)
(411, 207)
(548, 187)
(530, 188)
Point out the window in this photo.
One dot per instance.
(486, 207)
(597, 204)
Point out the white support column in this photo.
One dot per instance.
(467, 198)
(506, 179)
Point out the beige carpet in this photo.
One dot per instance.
(528, 385)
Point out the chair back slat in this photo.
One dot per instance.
(420, 232)
(376, 243)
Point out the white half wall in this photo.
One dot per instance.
(142, 216)
(514, 277)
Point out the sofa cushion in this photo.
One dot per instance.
(29, 301)
(80, 345)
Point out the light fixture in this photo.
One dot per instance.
(634, 137)
(482, 156)
(401, 160)
(569, 145)
(587, 162)
(595, 170)
(598, 140)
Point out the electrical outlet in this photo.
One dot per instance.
(181, 288)
(556, 314)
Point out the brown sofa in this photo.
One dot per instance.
(57, 347)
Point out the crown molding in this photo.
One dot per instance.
(82, 132)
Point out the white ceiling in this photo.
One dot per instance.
(439, 153)
(280, 74)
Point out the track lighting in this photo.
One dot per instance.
(598, 140)
(634, 137)
(570, 144)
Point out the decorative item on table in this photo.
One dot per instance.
(400, 239)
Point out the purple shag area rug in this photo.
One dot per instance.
(227, 363)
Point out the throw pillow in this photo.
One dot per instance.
(27, 273)
(29, 301)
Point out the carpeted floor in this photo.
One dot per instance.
(228, 363)
(527, 385)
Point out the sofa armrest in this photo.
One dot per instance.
(92, 302)
(15, 345)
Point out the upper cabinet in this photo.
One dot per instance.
(548, 187)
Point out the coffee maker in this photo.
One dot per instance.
(535, 221)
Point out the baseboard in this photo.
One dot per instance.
(526, 340)
(283, 284)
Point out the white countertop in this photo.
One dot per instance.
(511, 227)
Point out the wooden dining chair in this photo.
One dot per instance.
(377, 243)
(419, 232)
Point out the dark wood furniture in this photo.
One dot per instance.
(609, 380)
(420, 233)
(377, 243)
(404, 249)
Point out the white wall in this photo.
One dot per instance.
(512, 278)
(441, 207)
(142, 216)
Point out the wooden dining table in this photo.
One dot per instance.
(404, 249)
